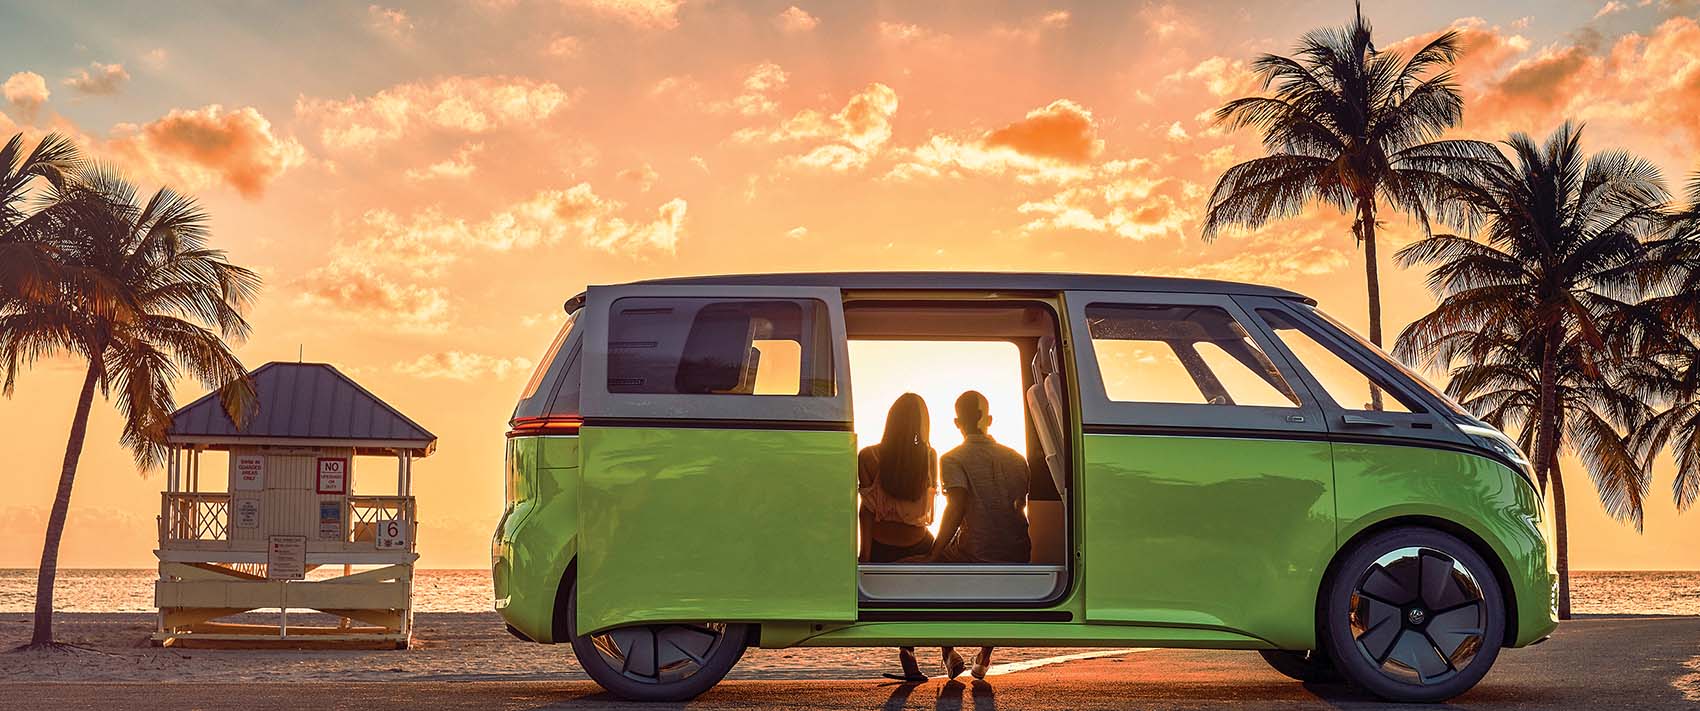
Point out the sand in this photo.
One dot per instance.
(447, 646)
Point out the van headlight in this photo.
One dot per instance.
(1495, 441)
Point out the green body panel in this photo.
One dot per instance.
(1213, 533)
(693, 524)
(536, 538)
(1378, 483)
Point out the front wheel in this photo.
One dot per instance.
(1414, 614)
(660, 662)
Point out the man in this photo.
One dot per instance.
(985, 490)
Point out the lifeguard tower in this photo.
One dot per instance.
(288, 530)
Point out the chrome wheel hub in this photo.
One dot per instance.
(1417, 614)
(658, 654)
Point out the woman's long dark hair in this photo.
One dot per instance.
(904, 448)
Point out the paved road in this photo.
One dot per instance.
(1594, 664)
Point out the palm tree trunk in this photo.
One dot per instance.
(1562, 544)
(43, 634)
(1546, 464)
(1366, 232)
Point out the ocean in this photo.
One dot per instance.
(131, 590)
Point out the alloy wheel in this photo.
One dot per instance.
(1418, 615)
(659, 654)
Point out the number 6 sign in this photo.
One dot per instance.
(392, 533)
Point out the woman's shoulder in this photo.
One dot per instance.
(870, 453)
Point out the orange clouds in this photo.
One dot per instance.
(643, 14)
(457, 104)
(1061, 130)
(795, 19)
(1221, 76)
(457, 365)
(200, 147)
(25, 91)
(99, 79)
(838, 142)
(389, 22)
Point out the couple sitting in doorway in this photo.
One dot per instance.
(985, 489)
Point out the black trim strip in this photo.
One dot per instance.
(1302, 436)
(965, 616)
(703, 423)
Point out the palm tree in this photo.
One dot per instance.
(1536, 320)
(26, 262)
(139, 297)
(1348, 126)
(1670, 351)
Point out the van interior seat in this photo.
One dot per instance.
(1044, 401)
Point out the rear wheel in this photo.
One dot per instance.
(660, 662)
(1307, 666)
(1414, 614)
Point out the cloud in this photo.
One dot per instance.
(99, 79)
(909, 34)
(643, 177)
(839, 142)
(1176, 132)
(1279, 256)
(563, 46)
(1050, 144)
(797, 232)
(457, 166)
(389, 22)
(1166, 21)
(456, 104)
(1120, 198)
(642, 14)
(794, 19)
(756, 97)
(25, 91)
(458, 365)
(362, 294)
(206, 146)
(1032, 30)
(156, 58)
(1221, 76)
(1061, 130)
(1610, 7)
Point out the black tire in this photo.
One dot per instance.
(1413, 614)
(673, 671)
(1306, 666)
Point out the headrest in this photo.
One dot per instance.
(1045, 360)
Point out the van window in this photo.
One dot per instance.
(697, 346)
(556, 376)
(1348, 386)
(1182, 354)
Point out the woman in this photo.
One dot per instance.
(898, 478)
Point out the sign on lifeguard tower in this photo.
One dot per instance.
(293, 501)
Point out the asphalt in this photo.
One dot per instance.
(1595, 664)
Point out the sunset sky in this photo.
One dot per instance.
(421, 185)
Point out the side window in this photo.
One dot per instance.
(1349, 387)
(697, 346)
(1182, 354)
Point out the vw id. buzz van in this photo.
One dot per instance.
(1212, 465)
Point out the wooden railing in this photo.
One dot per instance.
(369, 523)
(194, 517)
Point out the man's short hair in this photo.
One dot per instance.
(970, 407)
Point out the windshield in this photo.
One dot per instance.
(1390, 360)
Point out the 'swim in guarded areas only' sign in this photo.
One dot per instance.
(250, 472)
(392, 534)
(333, 475)
(286, 558)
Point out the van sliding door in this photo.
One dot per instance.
(719, 464)
(1207, 484)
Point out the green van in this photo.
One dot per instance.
(1213, 465)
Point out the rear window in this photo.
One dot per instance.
(697, 346)
(554, 385)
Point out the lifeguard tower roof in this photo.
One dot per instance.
(304, 404)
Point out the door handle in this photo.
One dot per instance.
(1361, 421)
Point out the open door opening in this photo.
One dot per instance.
(1005, 350)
